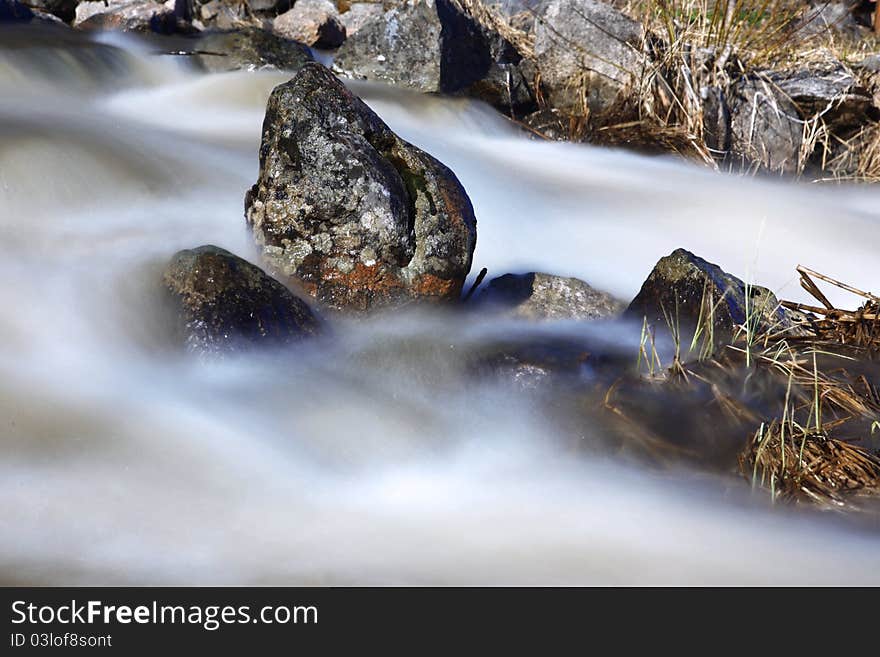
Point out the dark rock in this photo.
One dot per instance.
(590, 56)
(432, 46)
(357, 216)
(530, 362)
(312, 22)
(63, 9)
(716, 120)
(539, 296)
(765, 128)
(225, 303)
(549, 123)
(274, 7)
(686, 289)
(250, 48)
(13, 12)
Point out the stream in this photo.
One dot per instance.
(365, 459)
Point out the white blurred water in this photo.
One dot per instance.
(365, 459)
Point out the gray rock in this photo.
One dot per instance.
(432, 46)
(250, 49)
(539, 296)
(359, 218)
(686, 289)
(828, 89)
(824, 16)
(765, 128)
(591, 57)
(224, 303)
(359, 14)
(224, 15)
(125, 15)
(312, 22)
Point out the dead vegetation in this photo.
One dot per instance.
(796, 412)
(698, 50)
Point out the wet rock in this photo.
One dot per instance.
(687, 290)
(358, 217)
(432, 46)
(125, 15)
(765, 128)
(225, 303)
(590, 56)
(312, 22)
(359, 14)
(250, 49)
(539, 296)
(532, 362)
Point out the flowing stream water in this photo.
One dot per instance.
(364, 459)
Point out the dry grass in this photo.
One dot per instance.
(795, 409)
(810, 467)
(698, 50)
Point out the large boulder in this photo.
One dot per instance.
(250, 49)
(433, 46)
(312, 22)
(685, 292)
(591, 58)
(224, 303)
(344, 207)
(538, 296)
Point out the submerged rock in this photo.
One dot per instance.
(544, 296)
(224, 303)
(312, 22)
(355, 215)
(248, 49)
(687, 290)
(432, 46)
(590, 57)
